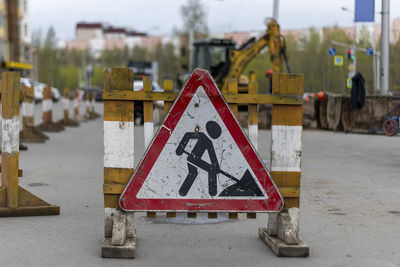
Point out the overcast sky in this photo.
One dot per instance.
(158, 17)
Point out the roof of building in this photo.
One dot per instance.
(89, 25)
(115, 30)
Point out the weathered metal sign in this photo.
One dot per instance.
(200, 160)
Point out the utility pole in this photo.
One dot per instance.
(191, 40)
(385, 34)
(275, 10)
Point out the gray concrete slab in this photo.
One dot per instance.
(349, 213)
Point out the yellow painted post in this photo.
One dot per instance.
(233, 89)
(286, 134)
(118, 133)
(253, 116)
(87, 104)
(10, 138)
(148, 112)
(66, 105)
(168, 87)
(148, 120)
(76, 103)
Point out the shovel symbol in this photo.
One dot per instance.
(244, 187)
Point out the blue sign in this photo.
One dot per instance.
(332, 51)
(370, 51)
(365, 10)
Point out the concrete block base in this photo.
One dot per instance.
(126, 251)
(280, 248)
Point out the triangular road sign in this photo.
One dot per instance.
(200, 160)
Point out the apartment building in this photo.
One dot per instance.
(15, 36)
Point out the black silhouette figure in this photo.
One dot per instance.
(203, 144)
(246, 186)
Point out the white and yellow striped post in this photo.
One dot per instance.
(66, 120)
(119, 232)
(148, 113)
(47, 124)
(286, 150)
(77, 105)
(87, 105)
(118, 136)
(29, 133)
(93, 114)
(253, 116)
(14, 200)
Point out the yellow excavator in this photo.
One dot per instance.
(225, 61)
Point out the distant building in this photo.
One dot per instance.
(15, 36)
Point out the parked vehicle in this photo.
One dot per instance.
(97, 90)
(55, 93)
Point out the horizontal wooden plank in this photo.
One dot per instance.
(117, 175)
(229, 97)
(113, 189)
(118, 188)
(290, 191)
(286, 179)
(30, 211)
(119, 111)
(287, 115)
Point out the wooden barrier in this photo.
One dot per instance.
(92, 112)
(14, 200)
(47, 124)
(77, 104)
(66, 120)
(29, 132)
(119, 100)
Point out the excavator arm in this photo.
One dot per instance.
(240, 58)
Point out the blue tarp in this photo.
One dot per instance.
(365, 10)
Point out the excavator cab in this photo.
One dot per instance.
(214, 56)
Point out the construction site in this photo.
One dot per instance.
(228, 141)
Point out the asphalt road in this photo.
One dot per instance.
(349, 216)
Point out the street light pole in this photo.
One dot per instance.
(384, 71)
(275, 10)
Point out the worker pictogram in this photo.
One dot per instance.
(200, 160)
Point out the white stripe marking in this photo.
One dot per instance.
(148, 133)
(119, 144)
(286, 148)
(65, 102)
(10, 135)
(47, 104)
(27, 109)
(253, 135)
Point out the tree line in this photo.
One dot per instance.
(308, 55)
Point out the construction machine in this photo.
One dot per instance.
(225, 61)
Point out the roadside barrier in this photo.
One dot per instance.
(92, 113)
(15, 200)
(30, 133)
(47, 124)
(77, 104)
(66, 120)
(281, 234)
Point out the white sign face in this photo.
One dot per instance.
(201, 160)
